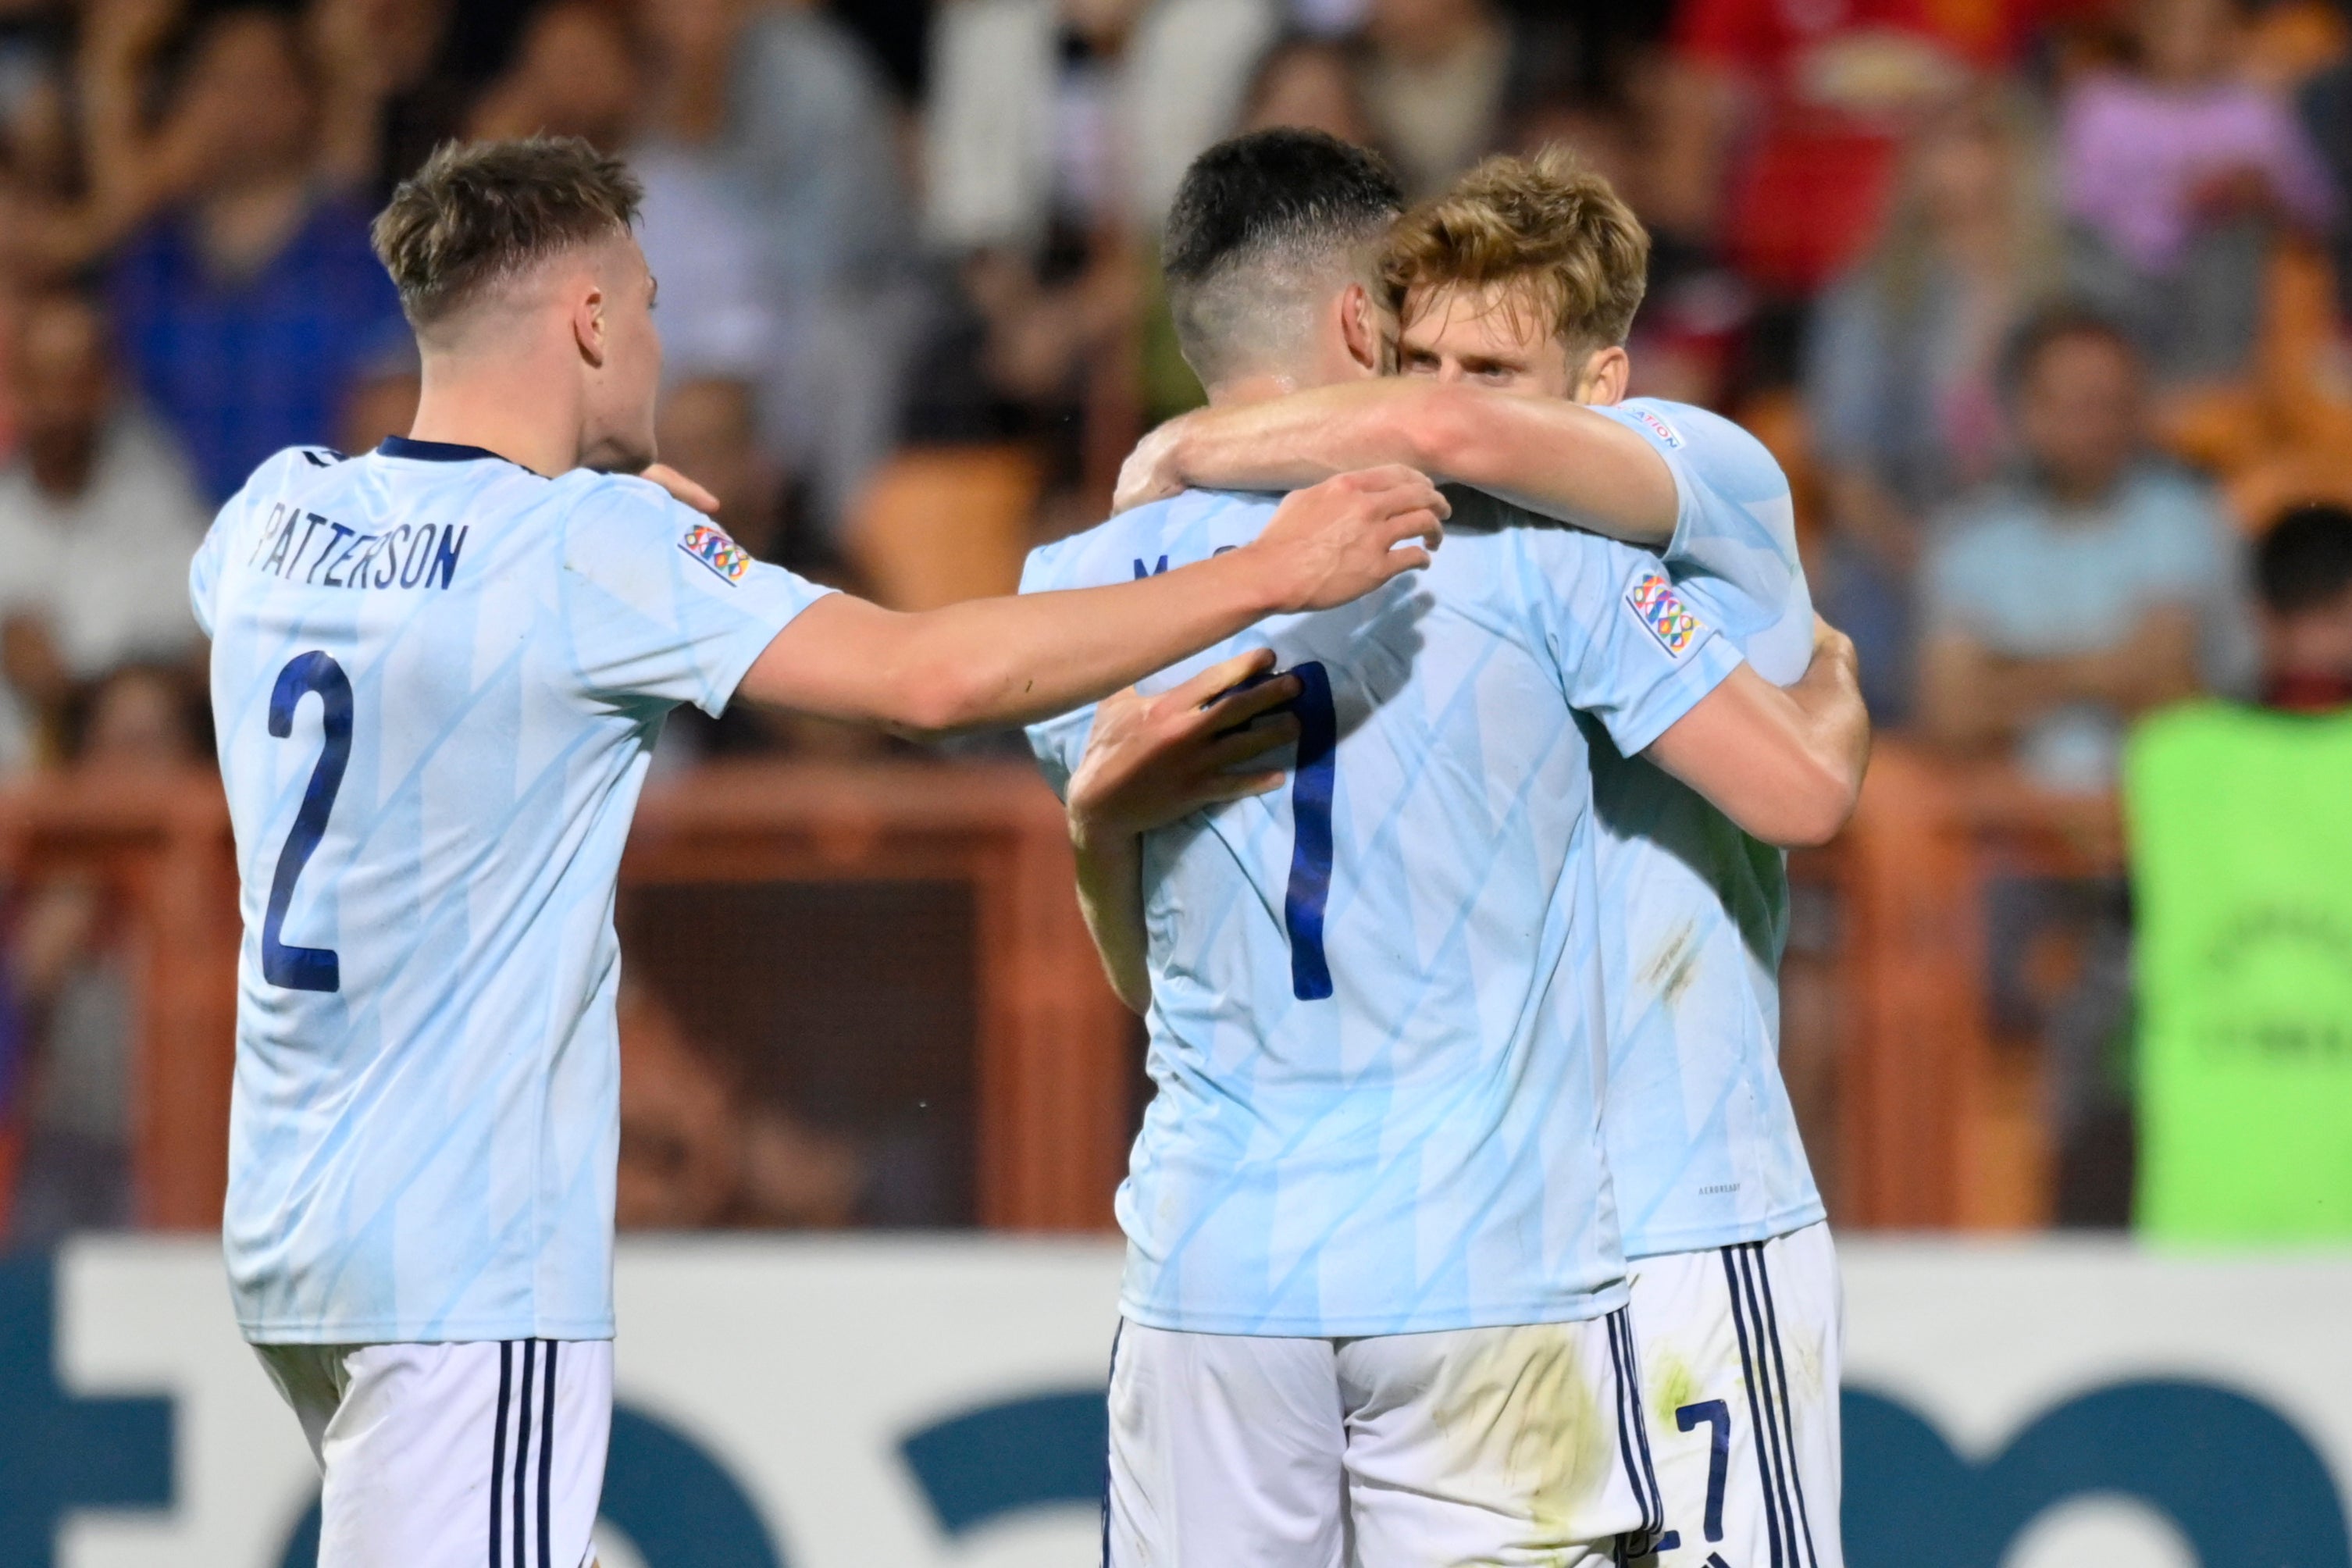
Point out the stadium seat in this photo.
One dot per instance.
(936, 524)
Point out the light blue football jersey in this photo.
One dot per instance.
(1376, 1016)
(438, 678)
(1702, 1139)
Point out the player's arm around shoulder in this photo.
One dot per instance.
(1554, 457)
(1014, 660)
(1785, 763)
(1646, 656)
(268, 484)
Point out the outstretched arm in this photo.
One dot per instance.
(1551, 455)
(1006, 661)
(1150, 761)
(1785, 764)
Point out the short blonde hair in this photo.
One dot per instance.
(1548, 221)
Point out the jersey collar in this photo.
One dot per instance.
(437, 451)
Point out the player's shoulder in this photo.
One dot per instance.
(1146, 540)
(1733, 458)
(289, 466)
(607, 519)
(626, 495)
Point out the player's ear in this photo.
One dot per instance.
(1605, 377)
(588, 325)
(1359, 328)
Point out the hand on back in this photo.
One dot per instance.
(1152, 760)
(1340, 540)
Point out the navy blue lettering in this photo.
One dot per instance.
(390, 553)
(411, 570)
(334, 539)
(355, 537)
(279, 545)
(295, 559)
(1154, 571)
(362, 554)
(445, 560)
(277, 509)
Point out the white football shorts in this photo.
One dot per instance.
(1740, 1353)
(1502, 1447)
(486, 1455)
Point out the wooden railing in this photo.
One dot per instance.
(1940, 1125)
(159, 850)
(1054, 1078)
(1935, 1123)
(1054, 1081)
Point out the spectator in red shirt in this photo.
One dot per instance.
(1824, 91)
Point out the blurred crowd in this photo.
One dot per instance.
(2038, 301)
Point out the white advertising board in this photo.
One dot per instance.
(807, 1403)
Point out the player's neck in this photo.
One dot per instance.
(1262, 388)
(502, 409)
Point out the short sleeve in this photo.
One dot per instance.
(204, 572)
(1735, 532)
(660, 605)
(1733, 516)
(1632, 648)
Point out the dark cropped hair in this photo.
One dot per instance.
(2047, 328)
(1254, 214)
(479, 213)
(2306, 559)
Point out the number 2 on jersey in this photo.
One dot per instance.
(307, 968)
(1310, 812)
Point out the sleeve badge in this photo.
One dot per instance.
(1660, 609)
(709, 545)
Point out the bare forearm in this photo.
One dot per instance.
(1974, 698)
(1834, 719)
(997, 662)
(1012, 660)
(1781, 764)
(1551, 455)
(1002, 661)
(1110, 897)
(2159, 664)
(1286, 443)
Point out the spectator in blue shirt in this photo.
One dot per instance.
(2097, 583)
(250, 305)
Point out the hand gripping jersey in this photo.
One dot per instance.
(438, 678)
(1376, 1012)
(1702, 1139)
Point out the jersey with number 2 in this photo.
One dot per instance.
(1376, 1016)
(437, 678)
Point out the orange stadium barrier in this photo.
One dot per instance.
(161, 853)
(1054, 1077)
(1928, 1119)
(938, 524)
(1054, 1098)
(1940, 1123)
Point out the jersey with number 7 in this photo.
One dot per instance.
(1376, 1020)
(438, 678)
